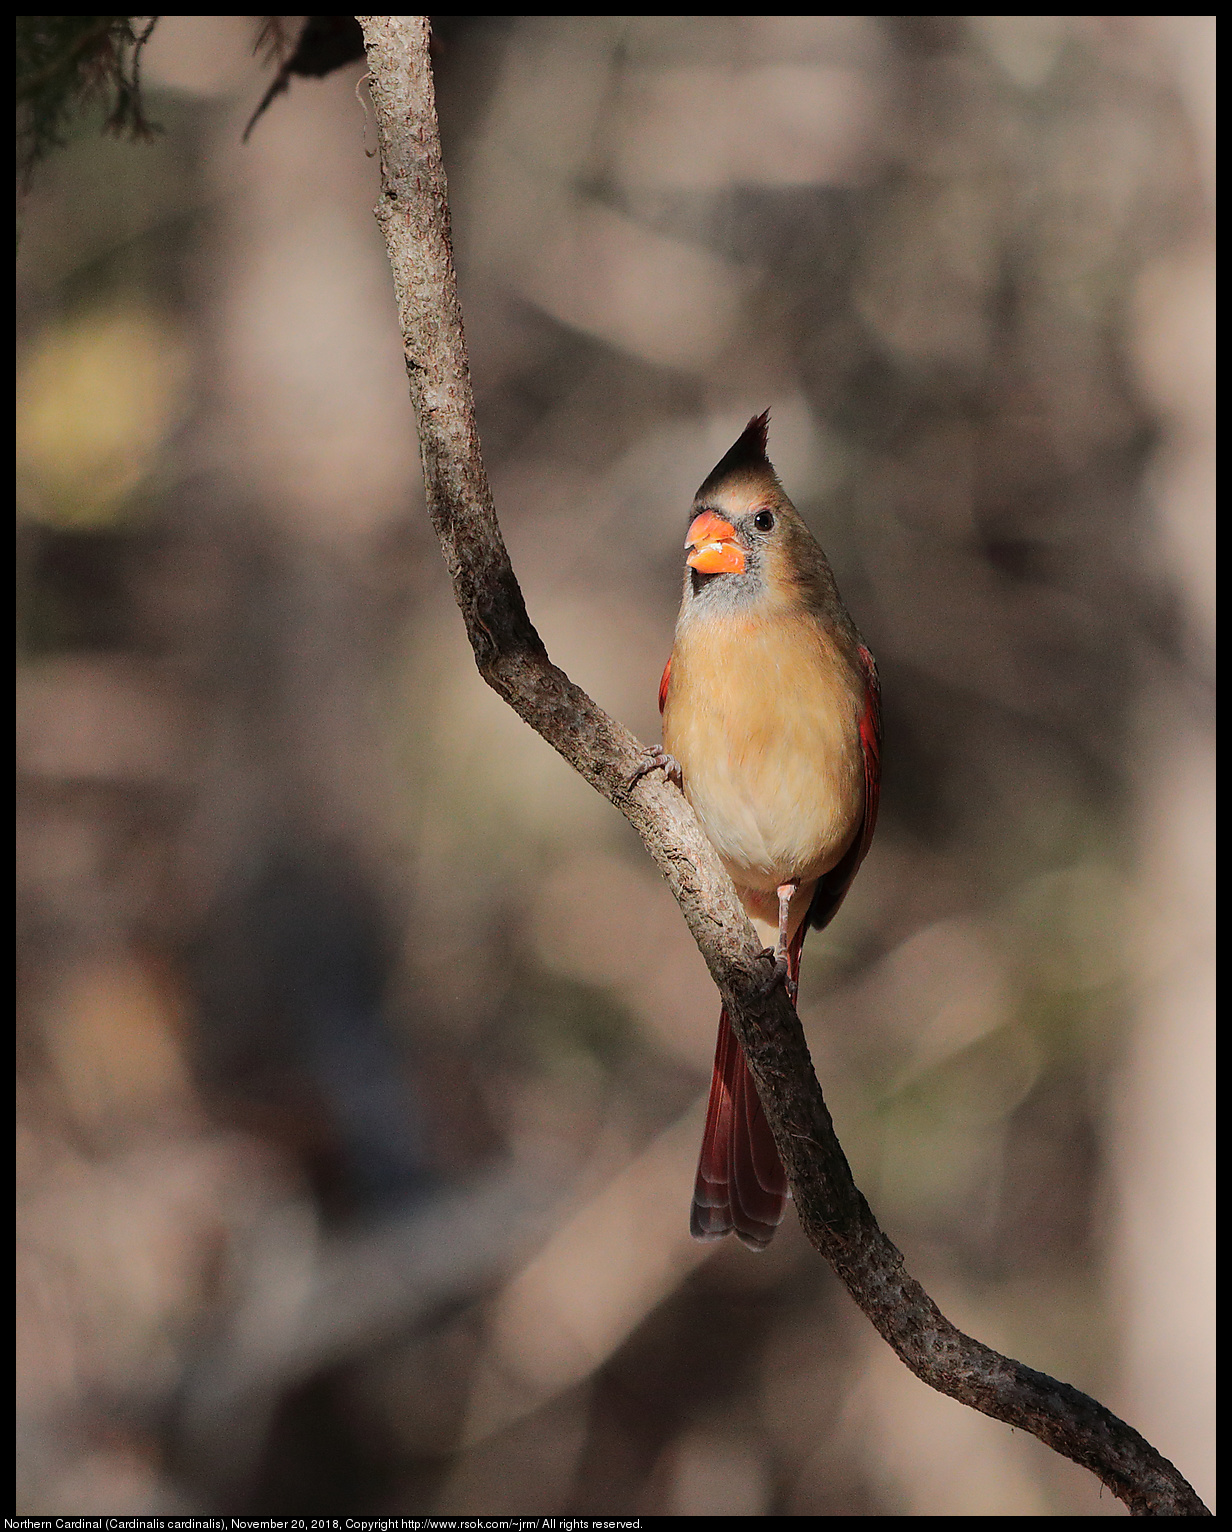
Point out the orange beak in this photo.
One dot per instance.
(714, 545)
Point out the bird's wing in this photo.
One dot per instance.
(832, 888)
(667, 670)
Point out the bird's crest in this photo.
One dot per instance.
(746, 454)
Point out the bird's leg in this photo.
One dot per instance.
(778, 953)
(657, 759)
(786, 892)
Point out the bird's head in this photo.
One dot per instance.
(746, 541)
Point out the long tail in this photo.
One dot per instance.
(741, 1184)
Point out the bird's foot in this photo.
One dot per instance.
(780, 973)
(657, 759)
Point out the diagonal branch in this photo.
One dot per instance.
(413, 211)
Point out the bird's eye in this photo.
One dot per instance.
(764, 520)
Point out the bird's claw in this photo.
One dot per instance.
(780, 973)
(657, 759)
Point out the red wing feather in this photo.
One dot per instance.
(870, 744)
(832, 888)
(667, 670)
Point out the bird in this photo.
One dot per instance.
(772, 727)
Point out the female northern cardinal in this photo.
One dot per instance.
(771, 713)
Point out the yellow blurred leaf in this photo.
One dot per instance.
(96, 399)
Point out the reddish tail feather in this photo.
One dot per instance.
(741, 1184)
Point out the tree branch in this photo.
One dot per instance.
(413, 211)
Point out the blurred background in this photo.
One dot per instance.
(361, 1051)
